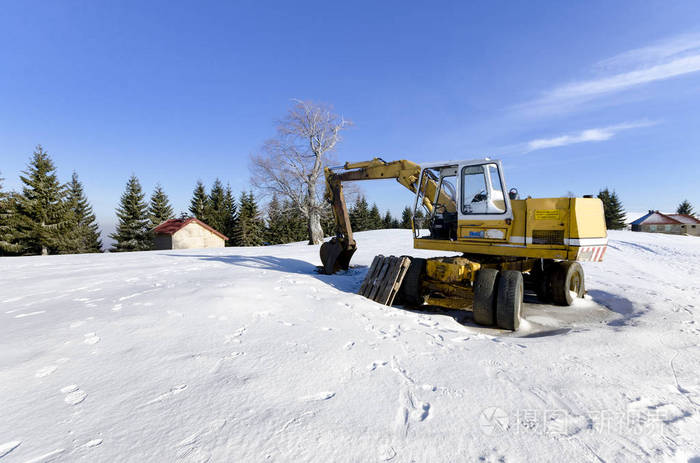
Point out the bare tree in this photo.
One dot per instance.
(291, 164)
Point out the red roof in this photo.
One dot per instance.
(658, 218)
(655, 218)
(684, 218)
(172, 226)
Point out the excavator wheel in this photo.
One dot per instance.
(485, 290)
(567, 282)
(509, 301)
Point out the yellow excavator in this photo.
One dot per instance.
(506, 243)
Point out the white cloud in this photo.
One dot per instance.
(589, 135)
(673, 47)
(664, 60)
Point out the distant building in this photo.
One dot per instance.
(187, 234)
(675, 224)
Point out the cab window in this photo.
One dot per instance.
(482, 191)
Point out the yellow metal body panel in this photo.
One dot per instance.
(451, 269)
(542, 228)
(550, 215)
(587, 218)
(493, 249)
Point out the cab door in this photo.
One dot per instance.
(484, 212)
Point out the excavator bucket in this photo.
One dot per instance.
(335, 256)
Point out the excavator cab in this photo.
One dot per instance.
(462, 201)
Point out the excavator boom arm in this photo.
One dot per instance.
(336, 253)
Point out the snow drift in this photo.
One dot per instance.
(247, 354)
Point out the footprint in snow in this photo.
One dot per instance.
(236, 334)
(173, 391)
(91, 338)
(318, 397)
(69, 388)
(74, 395)
(29, 314)
(377, 363)
(46, 371)
(92, 443)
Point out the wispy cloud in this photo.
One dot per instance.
(670, 58)
(584, 136)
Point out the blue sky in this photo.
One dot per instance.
(572, 96)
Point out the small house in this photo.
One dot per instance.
(188, 233)
(675, 224)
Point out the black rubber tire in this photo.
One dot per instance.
(567, 282)
(410, 291)
(485, 289)
(509, 301)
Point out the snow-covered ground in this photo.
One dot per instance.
(247, 354)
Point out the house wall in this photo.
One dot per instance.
(194, 236)
(691, 229)
(673, 229)
(163, 242)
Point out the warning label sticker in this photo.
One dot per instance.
(547, 214)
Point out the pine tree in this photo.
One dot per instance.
(198, 204)
(685, 208)
(215, 209)
(8, 223)
(375, 218)
(296, 224)
(249, 230)
(386, 221)
(359, 215)
(41, 211)
(612, 207)
(406, 217)
(231, 216)
(132, 232)
(159, 208)
(84, 234)
(328, 220)
(275, 229)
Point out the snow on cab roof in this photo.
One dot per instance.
(172, 226)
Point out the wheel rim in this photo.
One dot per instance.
(575, 283)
